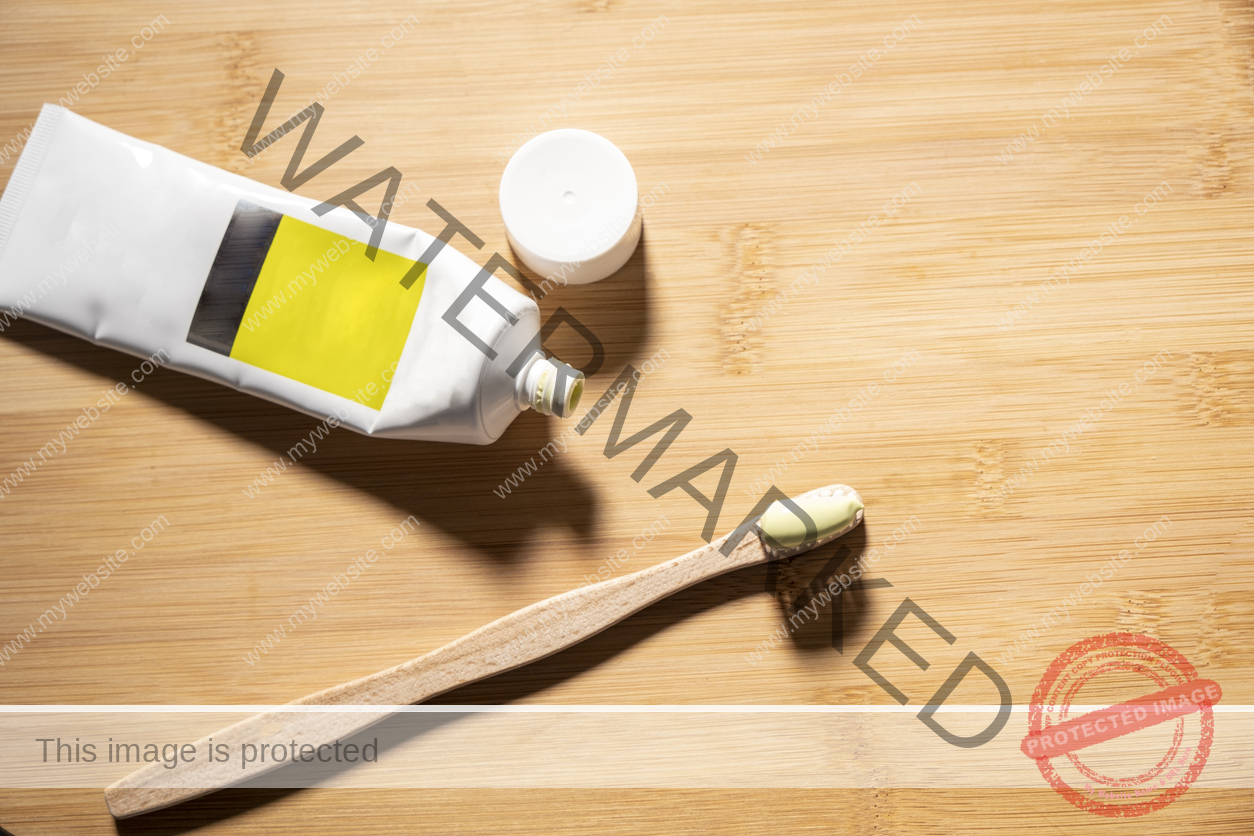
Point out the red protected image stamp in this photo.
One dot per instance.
(1137, 755)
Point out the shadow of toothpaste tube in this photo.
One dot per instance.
(243, 284)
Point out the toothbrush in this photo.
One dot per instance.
(525, 636)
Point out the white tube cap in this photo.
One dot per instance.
(569, 200)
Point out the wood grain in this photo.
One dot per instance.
(534, 632)
(942, 443)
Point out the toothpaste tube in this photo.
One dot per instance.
(143, 250)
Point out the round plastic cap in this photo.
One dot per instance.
(569, 200)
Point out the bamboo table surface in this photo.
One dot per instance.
(896, 280)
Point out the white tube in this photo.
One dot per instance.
(137, 248)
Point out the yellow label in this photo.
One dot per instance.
(324, 314)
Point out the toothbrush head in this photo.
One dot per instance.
(825, 514)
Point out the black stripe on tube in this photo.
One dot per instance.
(232, 277)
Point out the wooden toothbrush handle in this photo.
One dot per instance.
(519, 638)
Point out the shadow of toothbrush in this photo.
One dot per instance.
(523, 683)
